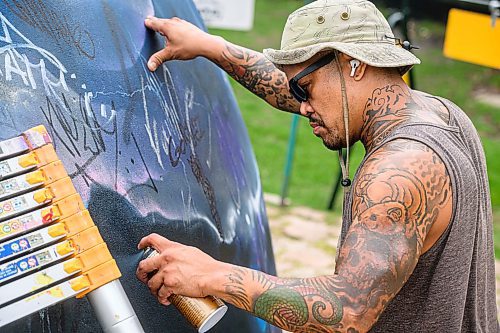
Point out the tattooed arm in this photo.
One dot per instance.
(402, 202)
(402, 190)
(250, 68)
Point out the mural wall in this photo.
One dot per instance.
(163, 152)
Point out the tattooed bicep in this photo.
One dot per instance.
(396, 199)
(402, 187)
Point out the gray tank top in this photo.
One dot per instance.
(452, 288)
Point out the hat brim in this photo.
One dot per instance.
(377, 55)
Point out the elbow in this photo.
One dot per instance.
(358, 323)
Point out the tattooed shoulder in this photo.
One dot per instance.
(405, 181)
(399, 194)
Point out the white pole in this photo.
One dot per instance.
(113, 309)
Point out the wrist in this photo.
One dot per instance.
(216, 279)
(213, 281)
(213, 47)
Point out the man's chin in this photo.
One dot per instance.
(330, 141)
(331, 146)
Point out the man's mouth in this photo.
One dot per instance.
(316, 127)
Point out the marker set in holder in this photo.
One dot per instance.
(50, 249)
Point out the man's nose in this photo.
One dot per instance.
(306, 109)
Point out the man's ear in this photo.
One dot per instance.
(360, 72)
(357, 68)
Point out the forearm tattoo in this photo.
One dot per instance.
(252, 70)
(298, 305)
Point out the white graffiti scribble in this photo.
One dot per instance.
(161, 135)
(29, 63)
(23, 58)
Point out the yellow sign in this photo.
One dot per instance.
(470, 37)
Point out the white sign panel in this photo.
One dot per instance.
(227, 14)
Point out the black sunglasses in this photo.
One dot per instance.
(296, 90)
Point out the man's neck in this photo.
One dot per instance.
(385, 110)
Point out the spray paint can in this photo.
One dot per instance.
(202, 312)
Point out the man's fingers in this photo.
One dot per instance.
(152, 240)
(155, 283)
(147, 266)
(159, 58)
(155, 24)
(157, 242)
(160, 26)
(163, 295)
(160, 244)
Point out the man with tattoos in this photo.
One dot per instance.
(416, 248)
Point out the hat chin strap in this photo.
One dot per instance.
(344, 163)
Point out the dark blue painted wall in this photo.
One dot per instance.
(163, 152)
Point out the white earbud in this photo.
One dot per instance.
(354, 65)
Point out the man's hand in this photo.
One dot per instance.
(183, 41)
(180, 269)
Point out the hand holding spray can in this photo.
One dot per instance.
(202, 312)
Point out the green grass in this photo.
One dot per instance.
(315, 167)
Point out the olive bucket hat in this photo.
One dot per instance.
(356, 28)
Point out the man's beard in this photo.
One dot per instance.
(333, 141)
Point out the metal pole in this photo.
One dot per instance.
(289, 158)
(113, 309)
(476, 2)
